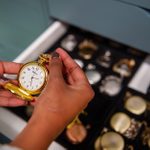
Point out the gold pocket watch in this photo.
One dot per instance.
(32, 78)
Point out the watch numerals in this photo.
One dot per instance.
(22, 77)
(37, 69)
(32, 77)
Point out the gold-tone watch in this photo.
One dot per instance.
(87, 48)
(32, 78)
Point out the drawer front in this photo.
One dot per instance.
(143, 3)
(116, 20)
(20, 23)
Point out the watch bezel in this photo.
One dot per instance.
(38, 91)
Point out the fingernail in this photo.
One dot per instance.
(55, 55)
(3, 80)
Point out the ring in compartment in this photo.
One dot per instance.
(124, 67)
(105, 60)
(87, 48)
(69, 43)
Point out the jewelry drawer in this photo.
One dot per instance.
(109, 66)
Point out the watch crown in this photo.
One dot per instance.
(44, 58)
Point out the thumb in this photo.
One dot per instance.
(55, 67)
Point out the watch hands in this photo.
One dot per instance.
(31, 81)
(36, 78)
(34, 72)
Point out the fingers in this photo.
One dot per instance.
(76, 72)
(55, 67)
(11, 101)
(5, 93)
(9, 67)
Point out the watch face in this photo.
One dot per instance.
(32, 77)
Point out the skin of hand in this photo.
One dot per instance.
(6, 97)
(66, 94)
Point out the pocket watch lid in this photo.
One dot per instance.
(135, 105)
(112, 141)
(120, 122)
(18, 91)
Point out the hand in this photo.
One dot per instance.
(6, 97)
(64, 97)
(59, 103)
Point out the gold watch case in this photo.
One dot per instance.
(110, 141)
(38, 91)
(20, 90)
(120, 122)
(136, 105)
(125, 125)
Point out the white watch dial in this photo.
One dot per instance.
(32, 77)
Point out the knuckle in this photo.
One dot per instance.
(55, 62)
(56, 80)
(89, 92)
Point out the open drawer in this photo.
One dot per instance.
(111, 68)
(10, 123)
